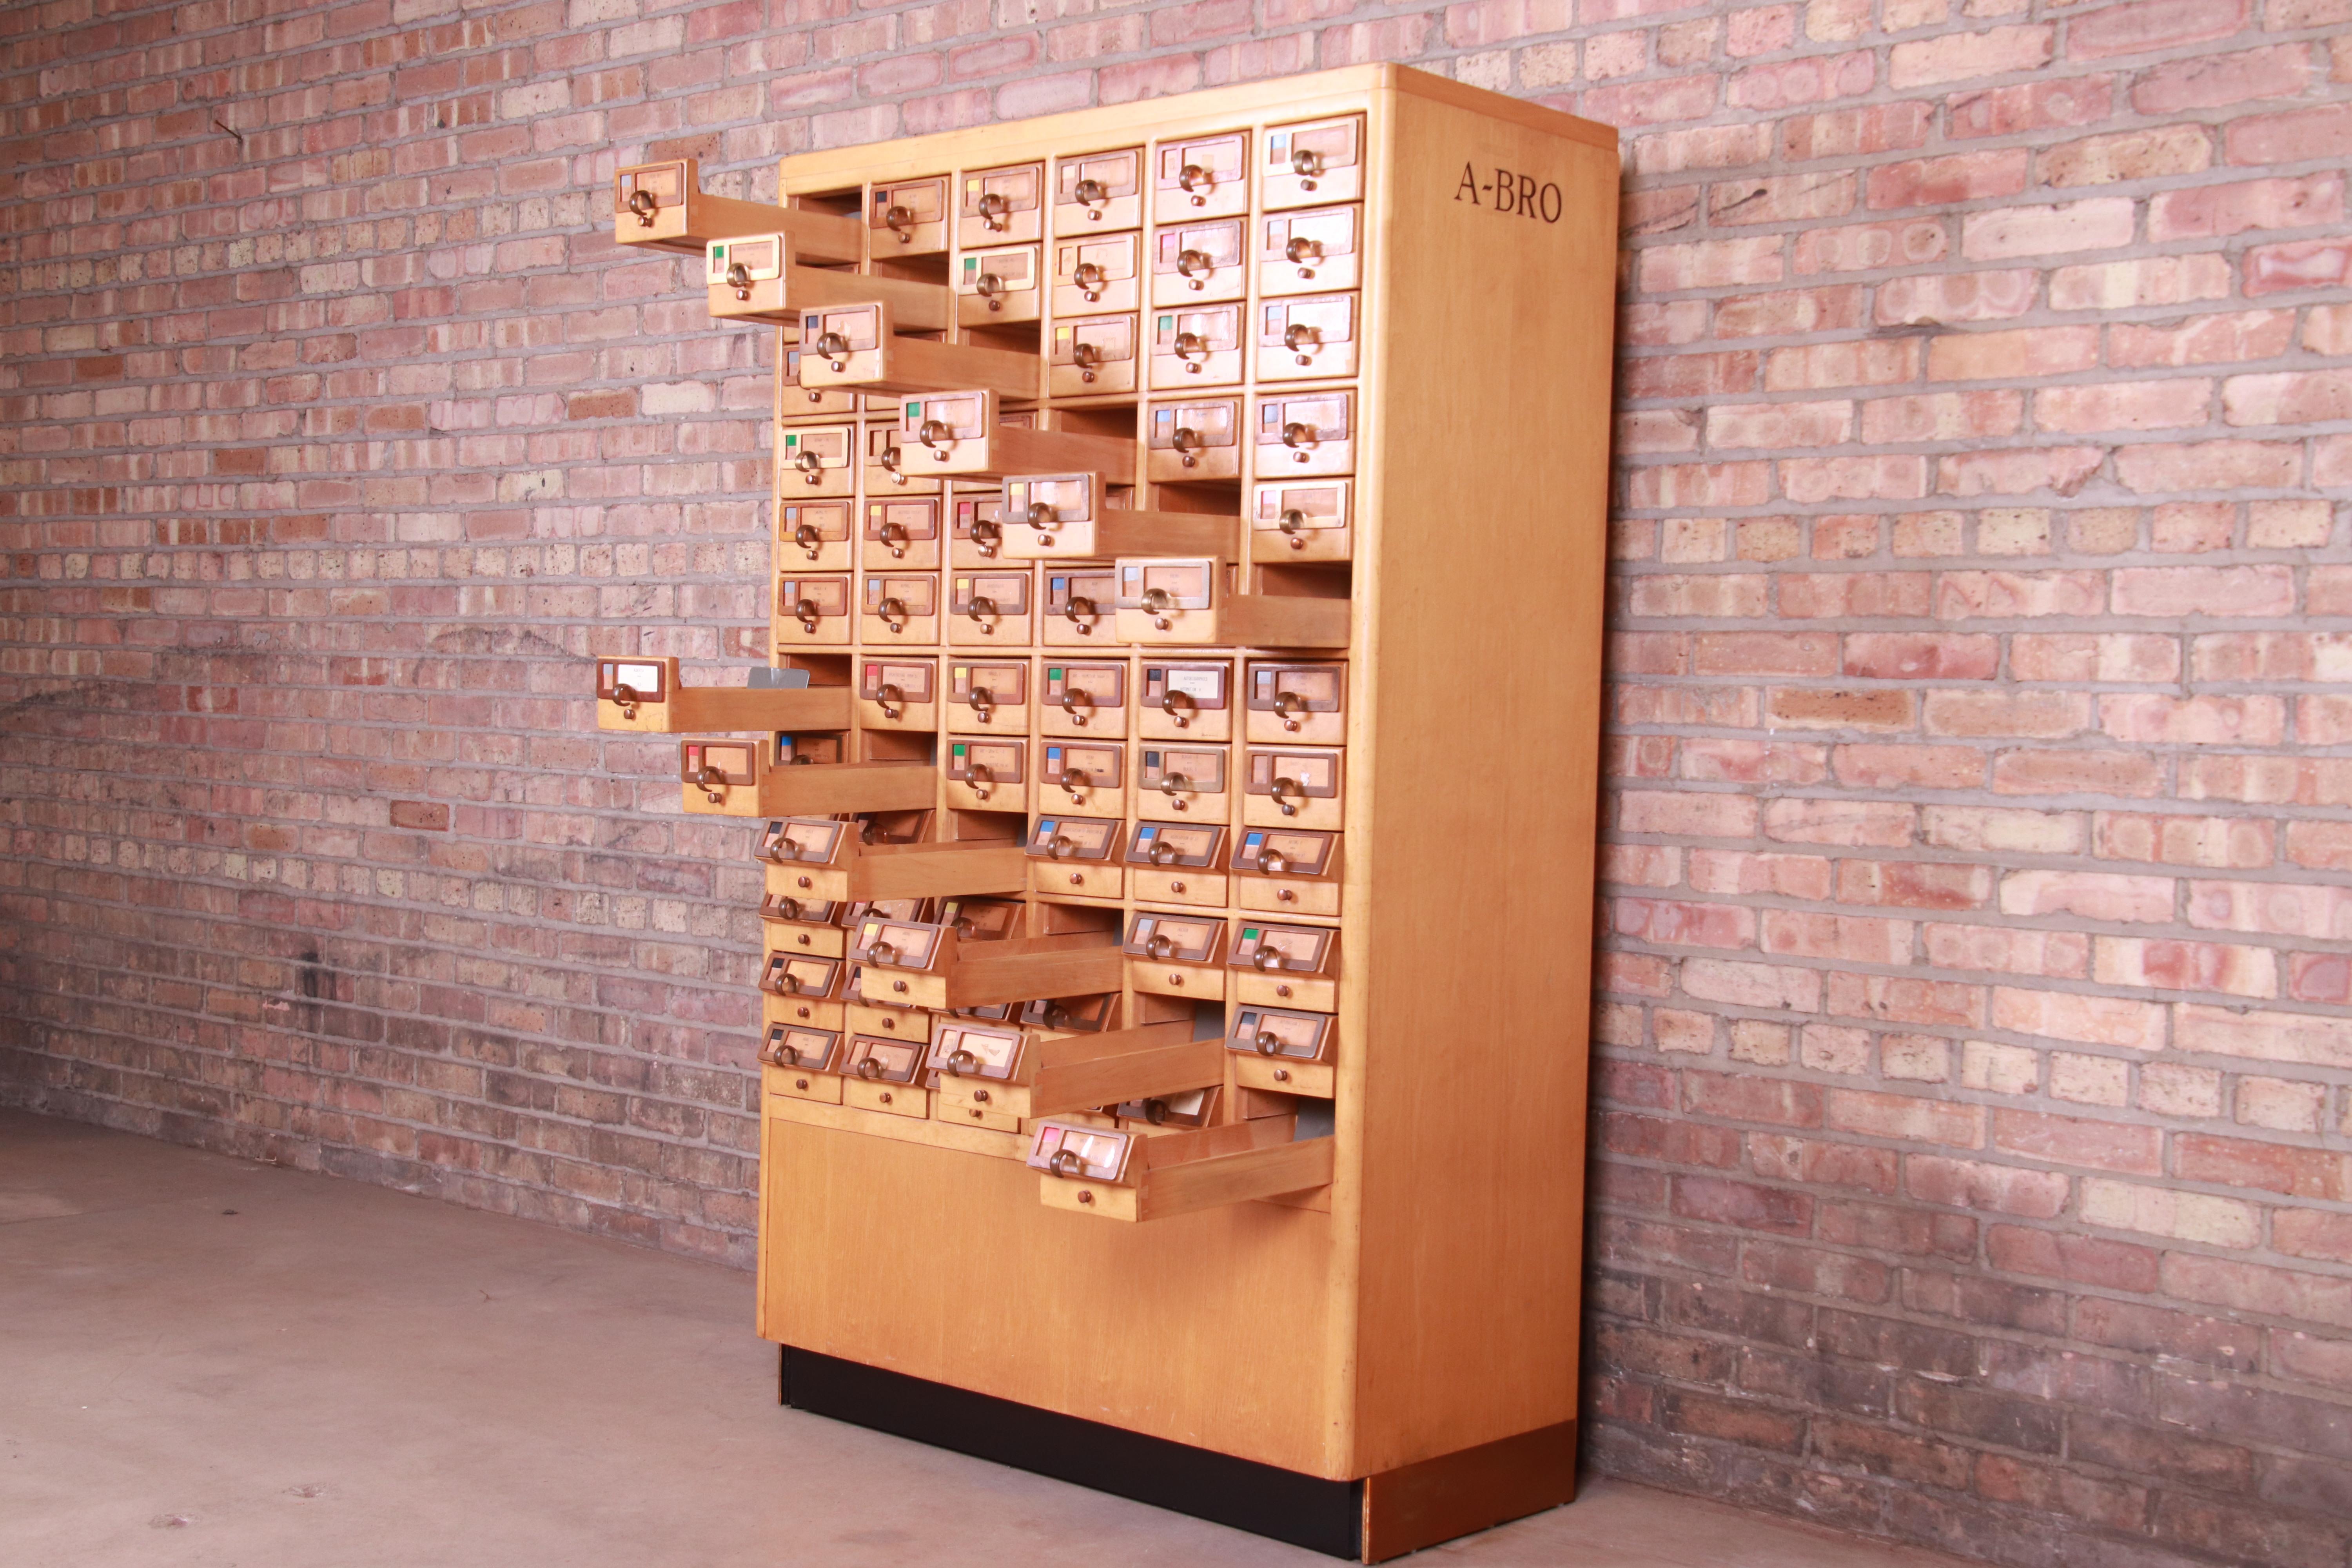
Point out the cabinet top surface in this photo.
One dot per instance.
(1318, 92)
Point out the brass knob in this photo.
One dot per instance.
(1295, 434)
(626, 698)
(1305, 161)
(1186, 441)
(889, 461)
(1164, 853)
(990, 286)
(1272, 862)
(806, 612)
(738, 277)
(714, 784)
(1287, 707)
(1160, 605)
(1085, 356)
(1041, 515)
(1173, 784)
(932, 433)
(900, 221)
(957, 1060)
(882, 952)
(1193, 349)
(1299, 335)
(810, 541)
(893, 611)
(1074, 780)
(981, 776)
(1092, 194)
(1195, 181)
(894, 536)
(1155, 1111)
(1081, 613)
(996, 211)
(984, 613)
(1192, 264)
(1266, 958)
(1300, 251)
(1179, 706)
(1288, 795)
(1072, 699)
(1267, 1043)
(833, 348)
(642, 203)
(1066, 1162)
(980, 1095)
(811, 466)
(1159, 946)
(890, 696)
(1060, 847)
(1090, 279)
(984, 708)
(986, 536)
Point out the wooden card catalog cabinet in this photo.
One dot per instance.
(1125, 833)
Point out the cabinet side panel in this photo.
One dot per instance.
(1483, 664)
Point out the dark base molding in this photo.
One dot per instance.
(1369, 1520)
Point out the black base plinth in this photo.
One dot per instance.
(1304, 1510)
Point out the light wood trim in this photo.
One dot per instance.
(936, 871)
(732, 710)
(822, 789)
(914, 307)
(910, 365)
(1019, 969)
(1012, 452)
(816, 236)
(1472, 1489)
(1134, 1074)
(1475, 1173)
(945, 1135)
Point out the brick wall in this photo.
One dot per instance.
(1978, 1017)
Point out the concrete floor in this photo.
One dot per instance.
(206, 1361)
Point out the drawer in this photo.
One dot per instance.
(790, 976)
(900, 608)
(1186, 779)
(902, 1025)
(793, 399)
(1284, 1035)
(899, 693)
(1089, 778)
(1098, 192)
(812, 536)
(974, 536)
(1197, 440)
(908, 217)
(1200, 176)
(1091, 355)
(989, 694)
(1001, 207)
(799, 1050)
(820, 1087)
(1079, 608)
(886, 466)
(1312, 161)
(1185, 700)
(988, 773)
(820, 941)
(1278, 965)
(776, 1010)
(1305, 435)
(991, 609)
(1292, 786)
(812, 612)
(1302, 520)
(1283, 1077)
(1195, 984)
(1097, 275)
(1084, 699)
(1297, 702)
(1154, 885)
(909, 1100)
(974, 1115)
(1287, 871)
(1309, 252)
(1312, 337)
(1075, 879)
(901, 534)
(1001, 287)
(1196, 346)
(1199, 264)
(816, 460)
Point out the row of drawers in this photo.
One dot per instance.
(1309, 163)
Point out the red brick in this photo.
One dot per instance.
(2077, 1140)
(1958, 56)
(2146, 27)
(2031, 106)
(2295, 137)
(2012, 355)
(1949, 181)
(2084, 1260)
(2280, 1168)
(1908, 1118)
